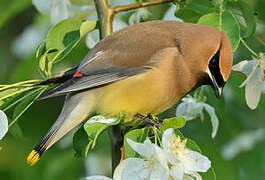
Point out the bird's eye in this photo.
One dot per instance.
(214, 62)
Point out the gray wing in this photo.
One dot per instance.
(118, 56)
(92, 80)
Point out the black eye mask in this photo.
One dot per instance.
(215, 69)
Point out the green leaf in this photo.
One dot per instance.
(212, 19)
(81, 142)
(86, 137)
(224, 21)
(25, 104)
(231, 28)
(60, 41)
(192, 10)
(209, 175)
(12, 92)
(248, 13)
(86, 27)
(193, 146)
(10, 102)
(190, 143)
(202, 6)
(16, 131)
(138, 135)
(65, 35)
(41, 49)
(175, 123)
(19, 84)
(97, 124)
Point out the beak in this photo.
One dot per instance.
(218, 90)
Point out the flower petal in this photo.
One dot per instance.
(43, 6)
(145, 149)
(167, 138)
(159, 173)
(243, 142)
(118, 23)
(263, 87)
(177, 172)
(3, 124)
(191, 176)
(249, 69)
(98, 178)
(194, 161)
(132, 169)
(92, 38)
(170, 14)
(59, 11)
(214, 119)
(245, 66)
(189, 108)
(161, 156)
(253, 88)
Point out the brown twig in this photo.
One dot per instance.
(149, 120)
(106, 13)
(143, 4)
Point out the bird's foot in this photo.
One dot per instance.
(149, 119)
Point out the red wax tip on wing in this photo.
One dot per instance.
(77, 74)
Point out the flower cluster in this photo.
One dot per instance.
(191, 108)
(254, 83)
(172, 161)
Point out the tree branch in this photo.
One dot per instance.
(143, 4)
(105, 15)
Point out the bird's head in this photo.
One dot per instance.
(220, 65)
(212, 58)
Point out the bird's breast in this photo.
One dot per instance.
(151, 92)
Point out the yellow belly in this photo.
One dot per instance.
(150, 92)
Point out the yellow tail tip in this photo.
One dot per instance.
(33, 157)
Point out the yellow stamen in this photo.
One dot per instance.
(33, 157)
(176, 144)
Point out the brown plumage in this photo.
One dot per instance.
(145, 68)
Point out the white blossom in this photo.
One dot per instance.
(153, 165)
(27, 42)
(140, 14)
(59, 9)
(184, 162)
(170, 13)
(254, 70)
(190, 108)
(243, 142)
(97, 178)
(3, 124)
(174, 161)
(263, 87)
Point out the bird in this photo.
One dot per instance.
(143, 69)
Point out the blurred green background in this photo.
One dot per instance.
(22, 27)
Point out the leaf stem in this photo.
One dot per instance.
(248, 48)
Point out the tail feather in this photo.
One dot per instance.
(76, 109)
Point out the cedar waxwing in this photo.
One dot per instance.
(144, 68)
